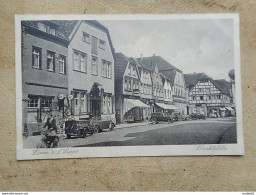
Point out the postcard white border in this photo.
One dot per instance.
(122, 151)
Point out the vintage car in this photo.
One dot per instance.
(86, 127)
(101, 124)
(160, 116)
(79, 128)
(196, 116)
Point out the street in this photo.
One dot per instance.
(209, 131)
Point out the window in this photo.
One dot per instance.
(210, 97)
(33, 101)
(94, 68)
(51, 31)
(79, 61)
(129, 70)
(83, 102)
(134, 85)
(42, 27)
(106, 69)
(133, 71)
(102, 44)
(109, 110)
(77, 103)
(47, 29)
(129, 85)
(194, 97)
(50, 61)
(86, 37)
(142, 88)
(62, 64)
(125, 84)
(201, 97)
(46, 102)
(218, 97)
(94, 45)
(36, 57)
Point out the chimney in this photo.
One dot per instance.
(141, 57)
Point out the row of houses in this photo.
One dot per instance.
(71, 68)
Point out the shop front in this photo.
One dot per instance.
(166, 108)
(133, 110)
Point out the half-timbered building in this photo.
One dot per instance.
(128, 88)
(207, 96)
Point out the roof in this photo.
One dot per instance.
(169, 74)
(222, 85)
(120, 65)
(61, 30)
(192, 79)
(66, 27)
(161, 63)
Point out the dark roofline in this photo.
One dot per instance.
(38, 33)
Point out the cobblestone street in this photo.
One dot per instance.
(209, 131)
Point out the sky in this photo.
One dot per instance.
(195, 45)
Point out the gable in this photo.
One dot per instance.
(131, 71)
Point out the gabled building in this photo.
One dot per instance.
(146, 95)
(90, 69)
(129, 108)
(44, 72)
(175, 77)
(208, 96)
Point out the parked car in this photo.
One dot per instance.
(101, 124)
(79, 128)
(213, 115)
(196, 116)
(186, 118)
(86, 127)
(159, 116)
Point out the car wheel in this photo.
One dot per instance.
(111, 126)
(97, 129)
(84, 132)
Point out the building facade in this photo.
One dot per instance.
(146, 86)
(171, 92)
(128, 90)
(91, 70)
(44, 72)
(207, 96)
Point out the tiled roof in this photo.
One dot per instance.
(192, 79)
(120, 65)
(65, 28)
(60, 29)
(222, 85)
(161, 63)
(169, 74)
(140, 64)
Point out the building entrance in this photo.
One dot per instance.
(95, 99)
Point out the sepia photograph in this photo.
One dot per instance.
(128, 85)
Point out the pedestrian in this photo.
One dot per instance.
(51, 125)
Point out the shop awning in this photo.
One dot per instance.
(229, 108)
(167, 106)
(132, 103)
(222, 109)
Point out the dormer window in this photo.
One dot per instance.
(47, 29)
(102, 44)
(42, 27)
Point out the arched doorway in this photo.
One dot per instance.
(95, 99)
